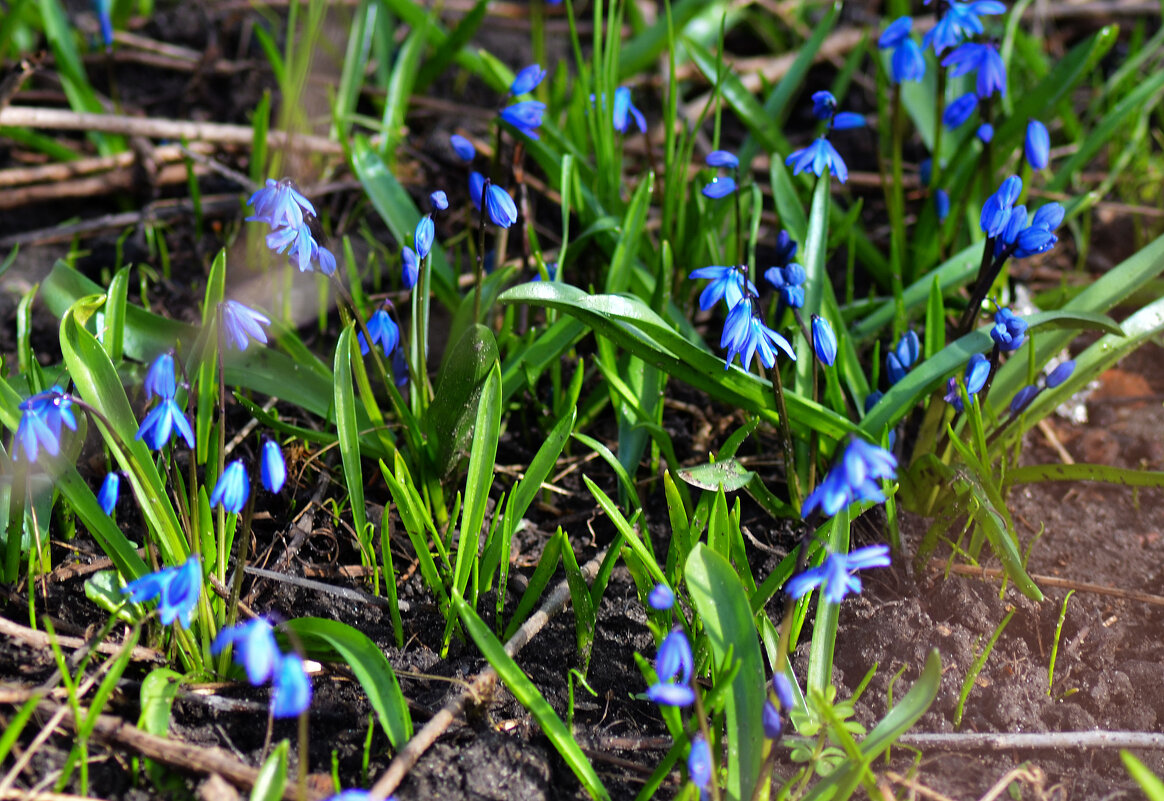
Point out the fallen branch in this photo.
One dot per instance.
(39, 639)
(1051, 581)
(1031, 741)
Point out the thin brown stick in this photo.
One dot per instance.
(93, 186)
(480, 686)
(39, 639)
(47, 173)
(1051, 581)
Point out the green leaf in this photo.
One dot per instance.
(1036, 473)
(728, 474)
(158, 691)
(106, 589)
(349, 436)
(335, 641)
(453, 412)
(722, 604)
(479, 480)
(272, 778)
(528, 696)
(1151, 785)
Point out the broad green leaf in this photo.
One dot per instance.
(272, 778)
(158, 691)
(331, 640)
(479, 479)
(454, 407)
(1037, 473)
(728, 474)
(349, 436)
(528, 696)
(106, 589)
(1149, 782)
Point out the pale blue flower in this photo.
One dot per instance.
(273, 469)
(383, 331)
(176, 588)
(107, 495)
(818, 157)
(254, 648)
(836, 573)
(241, 324)
(291, 694)
(41, 418)
(232, 488)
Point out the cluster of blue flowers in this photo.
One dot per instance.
(176, 588)
(167, 417)
(257, 651)
(821, 155)
(281, 206)
(42, 417)
(856, 476)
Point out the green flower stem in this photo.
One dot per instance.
(479, 270)
(701, 717)
(793, 480)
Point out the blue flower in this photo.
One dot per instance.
(622, 108)
(162, 421)
(895, 33)
(824, 342)
(996, 209)
(425, 233)
(364, 795)
(273, 469)
(770, 720)
(699, 762)
(661, 598)
(722, 158)
(719, 187)
(727, 283)
(941, 204)
(1060, 374)
(673, 667)
(847, 121)
(785, 249)
(1022, 240)
(292, 688)
(301, 248)
(788, 281)
(907, 63)
(254, 648)
(104, 9)
(439, 200)
(959, 111)
(410, 268)
(818, 157)
(41, 416)
(463, 147)
(985, 132)
(107, 495)
(856, 476)
(902, 358)
(1023, 398)
(499, 207)
(527, 80)
(960, 22)
(835, 574)
(872, 399)
(1048, 216)
(525, 116)
(824, 105)
(744, 333)
(383, 331)
(977, 371)
(159, 381)
(476, 187)
(984, 59)
(1037, 145)
(176, 589)
(783, 688)
(232, 488)
(279, 204)
(1009, 331)
(242, 324)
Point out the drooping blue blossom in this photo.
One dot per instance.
(984, 59)
(673, 667)
(722, 158)
(699, 762)
(785, 249)
(824, 105)
(789, 282)
(176, 589)
(527, 80)
(273, 469)
(942, 204)
(476, 187)
(163, 420)
(985, 132)
(770, 720)
(254, 648)
(661, 598)
(745, 334)
(499, 206)
(383, 331)
(895, 33)
(907, 62)
(159, 381)
(232, 488)
(960, 22)
(837, 573)
(996, 209)
(410, 267)
(1009, 331)
(959, 110)
(280, 205)
(439, 200)
(104, 9)
(291, 691)
(400, 368)
(783, 688)
(1037, 145)
(901, 359)
(847, 121)
(625, 111)
(41, 418)
(977, 371)
(925, 171)
(727, 283)
(856, 476)
(1048, 216)
(107, 495)
(463, 148)
(824, 341)
(424, 235)
(525, 116)
(1021, 240)
(241, 324)
(720, 186)
(1060, 374)
(1022, 399)
(818, 157)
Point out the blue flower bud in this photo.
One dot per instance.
(107, 495)
(908, 349)
(872, 399)
(1048, 216)
(896, 33)
(273, 469)
(977, 371)
(527, 80)
(476, 186)
(848, 120)
(661, 598)
(985, 132)
(1009, 331)
(410, 265)
(499, 207)
(783, 688)
(942, 204)
(823, 105)
(1023, 398)
(960, 110)
(1060, 374)
(425, 233)
(463, 147)
(1037, 145)
(232, 488)
(720, 187)
(291, 695)
(525, 116)
(907, 63)
(722, 158)
(439, 200)
(770, 720)
(824, 342)
(699, 762)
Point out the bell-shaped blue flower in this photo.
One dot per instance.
(176, 588)
(824, 342)
(1060, 374)
(242, 324)
(159, 381)
(1009, 332)
(499, 207)
(383, 331)
(977, 371)
(895, 33)
(661, 598)
(425, 233)
(770, 720)
(291, 695)
(1037, 145)
(856, 476)
(942, 204)
(232, 488)
(273, 469)
(836, 575)
(107, 495)
(279, 204)
(254, 648)
(907, 63)
(625, 111)
(527, 80)
(673, 667)
(959, 111)
(745, 334)
(721, 186)
(722, 158)
(1022, 399)
(824, 105)
(789, 282)
(727, 283)
(818, 157)
(41, 418)
(960, 22)
(985, 60)
(783, 688)
(996, 210)
(525, 116)
(785, 249)
(463, 148)
(908, 348)
(439, 200)
(476, 187)
(699, 762)
(163, 420)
